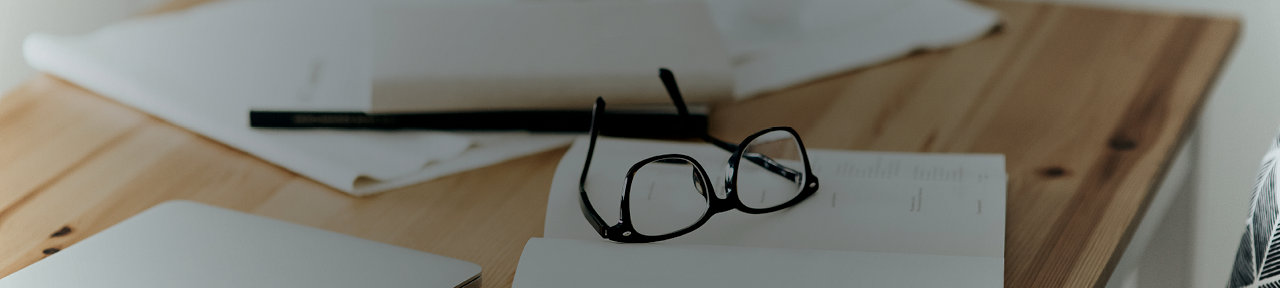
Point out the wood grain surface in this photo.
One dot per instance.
(1087, 104)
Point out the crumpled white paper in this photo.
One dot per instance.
(778, 44)
(203, 69)
(178, 67)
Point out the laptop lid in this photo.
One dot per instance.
(188, 244)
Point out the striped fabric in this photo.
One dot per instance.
(1258, 257)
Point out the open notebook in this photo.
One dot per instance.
(881, 219)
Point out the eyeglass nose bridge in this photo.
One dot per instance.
(715, 207)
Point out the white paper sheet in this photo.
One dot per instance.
(543, 55)
(148, 63)
(779, 44)
(297, 53)
(941, 204)
(573, 263)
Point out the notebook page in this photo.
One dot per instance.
(883, 202)
(548, 262)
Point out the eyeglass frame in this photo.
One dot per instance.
(625, 232)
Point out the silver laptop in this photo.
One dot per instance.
(188, 244)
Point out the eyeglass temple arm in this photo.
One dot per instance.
(584, 202)
(773, 166)
(669, 81)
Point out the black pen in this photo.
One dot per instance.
(626, 123)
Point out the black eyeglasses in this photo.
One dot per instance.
(669, 195)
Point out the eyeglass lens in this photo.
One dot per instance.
(667, 195)
(768, 170)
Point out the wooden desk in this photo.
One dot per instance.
(1087, 104)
